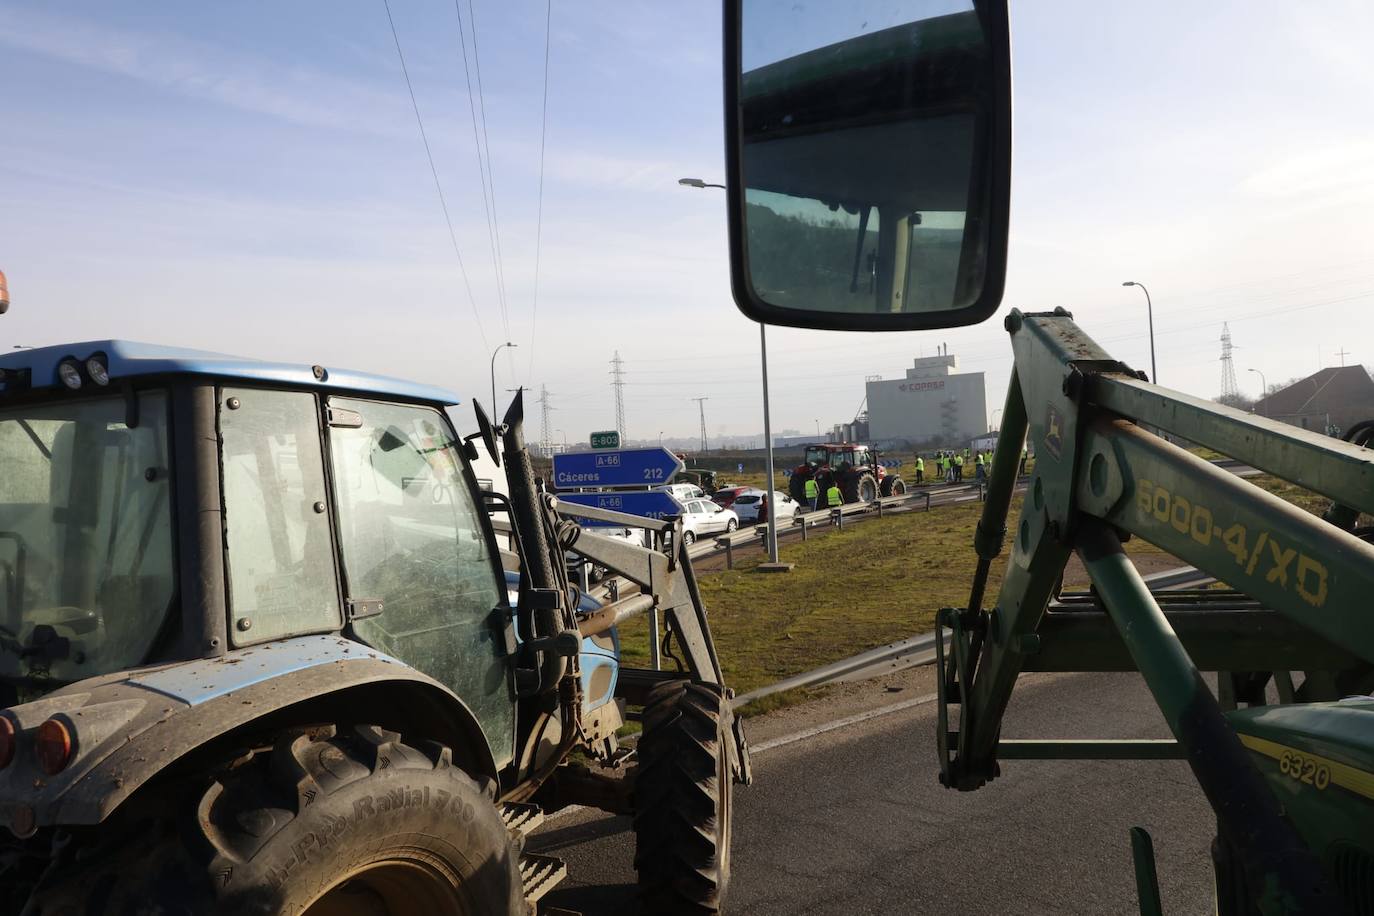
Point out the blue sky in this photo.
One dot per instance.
(248, 177)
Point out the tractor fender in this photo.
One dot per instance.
(128, 728)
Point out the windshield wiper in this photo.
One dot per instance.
(47, 453)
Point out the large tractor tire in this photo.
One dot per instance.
(893, 485)
(682, 800)
(796, 487)
(866, 489)
(320, 825)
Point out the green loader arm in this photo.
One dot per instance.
(1104, 470)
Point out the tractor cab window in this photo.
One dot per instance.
(816, 456)
(87, 574)
(420, 574)
(279, 552)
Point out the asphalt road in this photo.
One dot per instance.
(853, 821)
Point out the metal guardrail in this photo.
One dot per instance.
(920, 650)
(803, 523)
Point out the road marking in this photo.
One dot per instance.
(847, 721)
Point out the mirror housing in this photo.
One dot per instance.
(869, 179)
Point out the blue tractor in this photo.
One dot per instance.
(266, 647)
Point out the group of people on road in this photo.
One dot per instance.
(949, 464)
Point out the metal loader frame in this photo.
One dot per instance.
(1103, 473)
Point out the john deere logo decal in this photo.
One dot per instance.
(1054, 432)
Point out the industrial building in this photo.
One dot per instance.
(934, 404)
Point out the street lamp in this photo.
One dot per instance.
(1264, 386)
(660, 438)
(1149, 310)
(496, 413)
(767, 424)
(818, 428)
(698, 183)
(992, 424)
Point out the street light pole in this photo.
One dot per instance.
(496, 413)
(1264, 387)
(1150, 311)
(767, 426)
(992, 425)
(768, 442)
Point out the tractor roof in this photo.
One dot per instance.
(37, 368)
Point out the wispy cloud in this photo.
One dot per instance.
(295, 94)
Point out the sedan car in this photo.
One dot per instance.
(702, 517)
(726, 496)
(754, 505)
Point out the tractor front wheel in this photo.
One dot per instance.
(682, 800)
(353, 825)
(893, 486)
(866, 490)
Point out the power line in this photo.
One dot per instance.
(539, 218)
(443, 203)
(484, 167)
(701, 406)
(1229, 389)
(618, 383)
(545, 432)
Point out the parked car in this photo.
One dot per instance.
(683, 491)
(749, 505)
(701, 517)
(726, 496)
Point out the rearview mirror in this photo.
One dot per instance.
(869, 161)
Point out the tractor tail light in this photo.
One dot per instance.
(8, 739)
(54, 746)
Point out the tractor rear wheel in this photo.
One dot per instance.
(796, 487)
(355, 825)
(893, 486)
(682, 800)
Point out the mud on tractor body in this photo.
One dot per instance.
(262, 651)
(856, 469)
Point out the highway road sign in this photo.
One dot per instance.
(635, 467)
(648, 503)
(606, 439)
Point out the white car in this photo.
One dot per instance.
(682, 491)
(702, 517)
(748, 504)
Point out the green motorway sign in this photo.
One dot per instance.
(606, 439)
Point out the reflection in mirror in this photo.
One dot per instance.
(864, 145)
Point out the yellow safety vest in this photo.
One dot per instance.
(920, 464)
(832, 496)
(812, 491)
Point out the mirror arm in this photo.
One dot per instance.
(859, 247)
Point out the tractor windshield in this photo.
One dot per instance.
(86, 560)
(817, 455)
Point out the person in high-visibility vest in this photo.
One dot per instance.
(832, 496)
(979, 466)
(920, 469)
(958, 468)
(1025, 453)
(813, 492)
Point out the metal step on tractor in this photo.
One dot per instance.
(261, 652)
(855, 469)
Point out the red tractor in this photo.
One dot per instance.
(855, 468)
